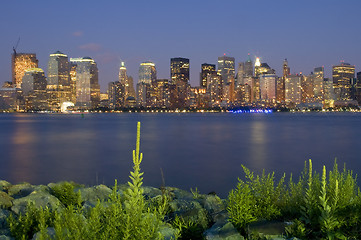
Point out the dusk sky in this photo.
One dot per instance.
(308, 33)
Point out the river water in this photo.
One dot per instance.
(203, 150)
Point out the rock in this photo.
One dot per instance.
(223, 230)
(168, 232)
(4, 185)
(214, 205)
(180, 194)
(91, 195)
(189, 211)
(5, 200)
(271, 228)
(4, 214)
(4, 237)
(40, 199)
(50, 231)
(20, 190)
(151, 192)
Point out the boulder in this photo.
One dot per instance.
(214, 205)
(151, 192)
(223, 230)
(4, 214)
(189, 211)
(50, 231)
(20, 190)
(91, 195)
(5, 200)
(4, 237)
(4, 185)
(177, 193)
(168, 232)
(39, 198)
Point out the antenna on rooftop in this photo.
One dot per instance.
(14, 48)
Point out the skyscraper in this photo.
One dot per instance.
(34, 89)
(87, 86)
(20, 62)
(318, 80)
(268, 87)
(280, 95)
(59, 83)
(248, 67)
(115, 95)
(206, 69)
(147, 72)
(179, 72)
(293, 89)
(342, 75)
(226, 68)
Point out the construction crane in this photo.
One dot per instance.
(14, 48)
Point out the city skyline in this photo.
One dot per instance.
(308, 34)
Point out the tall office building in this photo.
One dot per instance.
(87, 85)
(262, 68)
(115, 95)
(179, 72)
(147, 72)
(214, 89)
(307, 89)
(34, 89)
(248, 67)
(131, 90)
(240, 74)
(20, 62)
(226, 69)
(268, 87)
(59, 83)
(342, 75)
(293, 92)
(127, 83)
(206, 69)
(318, 80)
(280, 93)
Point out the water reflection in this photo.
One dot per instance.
(22, 149)
(258, 148)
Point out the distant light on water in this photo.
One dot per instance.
(252, 111)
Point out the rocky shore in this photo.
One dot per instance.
(208, 211)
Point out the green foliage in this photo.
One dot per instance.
(188, 229)
(240, 206)
(26, 225)
(66, 194)
(318, 207)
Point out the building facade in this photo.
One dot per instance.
(34, 89)
(87, 85)
(20, 62)
(342, 75)
(179, 72)
(59, 82)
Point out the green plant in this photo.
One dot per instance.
(26, 225)
(66, 194)
(240, 206)
(188, 229)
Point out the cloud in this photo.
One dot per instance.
(93, 47)
(78, 34)
(107, 58)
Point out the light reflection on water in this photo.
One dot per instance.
(194, 150)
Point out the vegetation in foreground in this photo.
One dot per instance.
(315, 207)
(326, 206)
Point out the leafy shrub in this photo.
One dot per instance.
(66, 194)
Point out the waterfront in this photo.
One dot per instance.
(203, 150)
